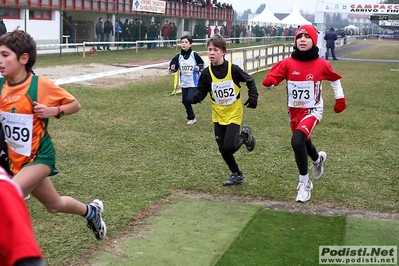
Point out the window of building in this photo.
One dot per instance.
(186, 26)
(10, 13)
(40, 14)
(87, 4)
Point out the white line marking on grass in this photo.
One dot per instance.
(104, 74)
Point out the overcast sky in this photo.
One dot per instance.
(286, 6)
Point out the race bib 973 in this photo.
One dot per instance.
(301, 94)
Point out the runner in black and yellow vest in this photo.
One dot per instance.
(221, 79)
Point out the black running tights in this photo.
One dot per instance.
(229, 141)
(302, 148)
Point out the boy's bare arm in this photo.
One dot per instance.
(42, 111)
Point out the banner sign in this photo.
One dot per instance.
(388, 22)
(153, 6)
(358, 8)
(379, 17)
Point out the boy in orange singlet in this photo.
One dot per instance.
(26, 103)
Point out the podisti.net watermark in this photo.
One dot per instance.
(350, 255)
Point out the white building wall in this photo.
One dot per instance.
(42, 31)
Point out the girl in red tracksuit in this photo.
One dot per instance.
(18, 245)
(304, 72)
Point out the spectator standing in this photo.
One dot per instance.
(165, 34)
(3, 28)
(330, 37)
(143, 32)
(108, 32)
(343, 36)
(125, 36)
(135, 28)
(195, 33)
(243, 32)
(151, 33)
(157, 27)
(170, 26)
(71, 30)
(223, 31)
(237, 34)
(118, 31)
(209, 31)
(173, 34)
(216, 30)
(99, 32)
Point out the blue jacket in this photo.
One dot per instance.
(330, 37)
(118, 28)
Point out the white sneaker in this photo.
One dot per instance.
(191, 122)
(304, 191)
(97, 225)
(318, 168)
(27, 197)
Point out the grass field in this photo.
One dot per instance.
(276, 238)
(130, 147)
(199, 231)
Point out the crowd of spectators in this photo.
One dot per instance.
(238, 31)
(204, 3)
(272, 31)
(136, 30)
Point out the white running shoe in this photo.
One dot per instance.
(191, 122)
(27, 197)
(318, 168)
(97, 225)
(304, 191)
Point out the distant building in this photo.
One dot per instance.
(47, 20)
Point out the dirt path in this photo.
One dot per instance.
(59, 72)
(325, 209)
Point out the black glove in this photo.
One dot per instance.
(251, 103)
(195, 99)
